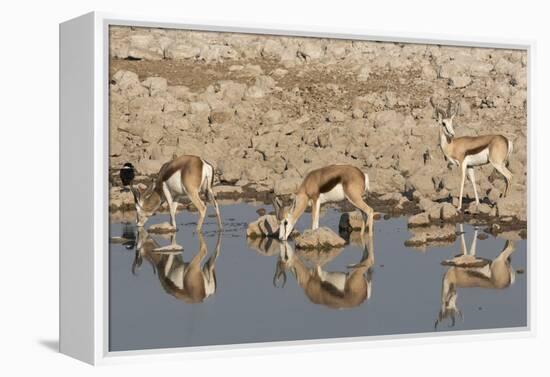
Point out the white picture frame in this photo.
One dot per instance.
(84, 54)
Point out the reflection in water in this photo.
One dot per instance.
(191, 282)
(128, 235)
(334, 289)
(467, 271)
(250, 309)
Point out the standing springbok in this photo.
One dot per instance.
(183, 176)
(333, 289)
(467, 270)
(328, 184)
(470, 151)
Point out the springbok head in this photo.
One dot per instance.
(144, 246)
(445, 117)
(147, 202)
(284, 217)
(286, 257)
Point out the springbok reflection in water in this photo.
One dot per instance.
(191, 282)
(467, 271)
(338, 290)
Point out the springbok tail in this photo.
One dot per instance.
(367, 183)
(510, 148)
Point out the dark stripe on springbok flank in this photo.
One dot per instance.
(474, 151)
(330, 184)
(477, 274)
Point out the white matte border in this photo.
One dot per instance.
(101, 215)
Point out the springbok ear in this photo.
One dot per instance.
(277, 205)
(293, 205)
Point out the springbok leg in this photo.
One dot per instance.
(472, 178)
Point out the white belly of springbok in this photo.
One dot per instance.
(478, 159)
(334, 195)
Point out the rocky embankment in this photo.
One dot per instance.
(266, 110)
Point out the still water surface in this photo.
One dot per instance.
(220, 288)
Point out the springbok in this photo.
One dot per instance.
(469, 271)
(337, 290)
(191, 282)
(328, 184)
(183, 176)
(468, 152)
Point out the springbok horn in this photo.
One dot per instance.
(278, 273)
(437, 109)
(449, 107)
(137, 262)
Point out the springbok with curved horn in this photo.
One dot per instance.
(334, 289)
(470, 151)
(469, 271)
(328, 184)
(183, 176)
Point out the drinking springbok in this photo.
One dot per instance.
(338, 289)
(192, 281)
(469, 271)
(470, 151)
(183, 176)
(328, 184)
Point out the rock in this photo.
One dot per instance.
(426, 204)
(448, 212)
(232, 92)
(350, 221)
(272, 117)
(461, 81)
(178, 51)
(262, 86)
(434, 213)
(127, 83)
(432, 234)
(155, 85)
(513, 205)
(265, 226)
(221, 115)
(227, 190)
(257, 173)
(482, 236)
(336, 116)
(421, 181)
(200, 108)
(168, 248)
(420, 219)
(161, 228)
(357, 113)
(484, 209)
(512, 235)
(115, 148)
(231, 170)
(287, 186)
(148, 167)
(145, 46)
(321, 238)
(311, 50)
